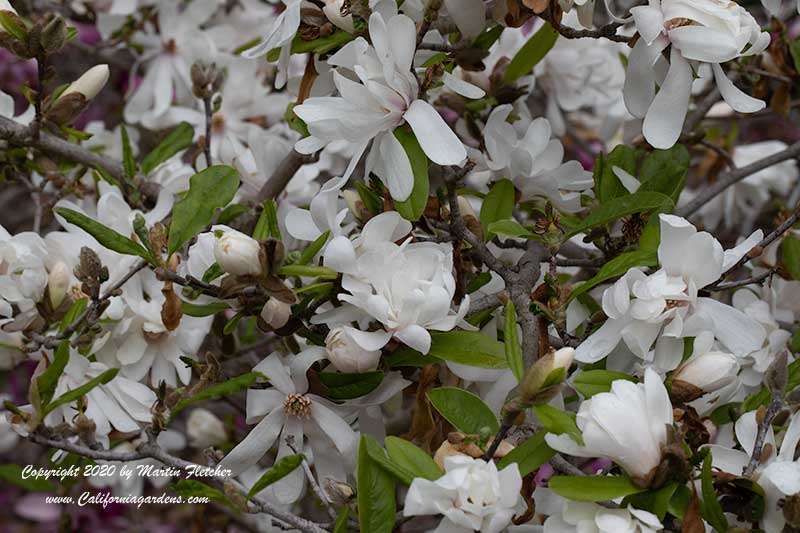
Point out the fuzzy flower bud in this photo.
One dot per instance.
(58, 283)
(276, 313)
(346, 354)
(90, 83)
(204, 429)
(237, 254)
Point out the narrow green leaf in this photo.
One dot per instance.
(220, 389)
(341, 520)
(321, 45)
(308, 271)
(464, 410)
(371, 200)
(531, 53)
(201, 310)
(510, 228)
(558, 422)
(267, 225)
(497, 205)
(313, 249)
(794, 50)
(511, 342)
(709, 506)
(102, 234)
(529, 455)
(349, 386)
(592, 488)
(74, 394)
(128, 162)
(12, 25)
(73, 313)
(231, 213)
(376, 497)
(591, 382)
(12, 473)
(178, 139)
(413, 207)
(655, 501)
(606, 184)
(617, 208)
(468, 348)
(282, 468)
(412, 458)
(213, 272)
(193, 488)
(616, 267)
(379, 457)
(790, 256)
(48, 379)
(209, 189)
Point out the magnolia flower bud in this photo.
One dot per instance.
(90, 83)
(58, 283)
(709, 371)
(276, 313)
(346, 354)
(333, 10)
(236, 253)
(354, 203)
(563, 358)
(204, 429)
(541, 381)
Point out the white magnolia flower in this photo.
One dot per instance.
(408, 288)
(628, 425)
(347, 354)
(287, 409)
(384, 98)
(580, 517)
(779, 475)
(280, 36)
(237, 253)
(90, 83)
(7, 110)
(204, 429)
(707, 369)
(665, 306)
(23, 276)
(739, 205)
(122, 403)
(472, 495)
(533, 160)
(705, 31)
(276, 313)
(168, 55)
(324, 214)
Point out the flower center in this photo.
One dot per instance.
(170, 46)
(671, 304)
(297, 405)
(154, 336)
(218, 122)
(671, 24)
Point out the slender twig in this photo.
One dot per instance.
(759, 279)
(755, 458)
(209, 118)
(609, 31)
(283, 174)
(41, 67)
(732, 177)
(318, 490)
(720, 152)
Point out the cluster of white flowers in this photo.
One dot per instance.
(463, 246)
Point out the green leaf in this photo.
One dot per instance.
(617, 208)
(371, 200)
(201, 310)
(213, 272)
(412, 458)
(665, 171)
(468, 348)
(376, 497)
(510, 228)
(531, 53)
(379, 457)
(282, 468)
(74, 394)
(790, 256)
(511, 342)
(617, 267)
(591, 382)
(308, 271)
(48, 379)
(497, 205)
(12, 473)
(209, 189)
(794, 49)
(267, 225)
(73, 313)
(486, 39)
(413, 207)
(322, 45)
(593, 488)
(231, 213)
(193, 488)
(709, 506)
(313, 249)
(349, 386)
(606, 184)
(679, 501)
(405, 356)
(558, 422)
(529, 455)
(655, 501)
(128, 162)
(464, 410)
(13, 26)
(178, 139)
(341, 520)
(220, 389)
(102, 234)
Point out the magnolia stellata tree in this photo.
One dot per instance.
(443, 265)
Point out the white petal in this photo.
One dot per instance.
(464, 88)
(435, 137)
(664, 120)
(300, 225)
(255, 444)
(415, 337)
(396, 167)
(737, 331)
(469, 16)
(734, 97)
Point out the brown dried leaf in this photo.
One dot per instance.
(171, 311)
